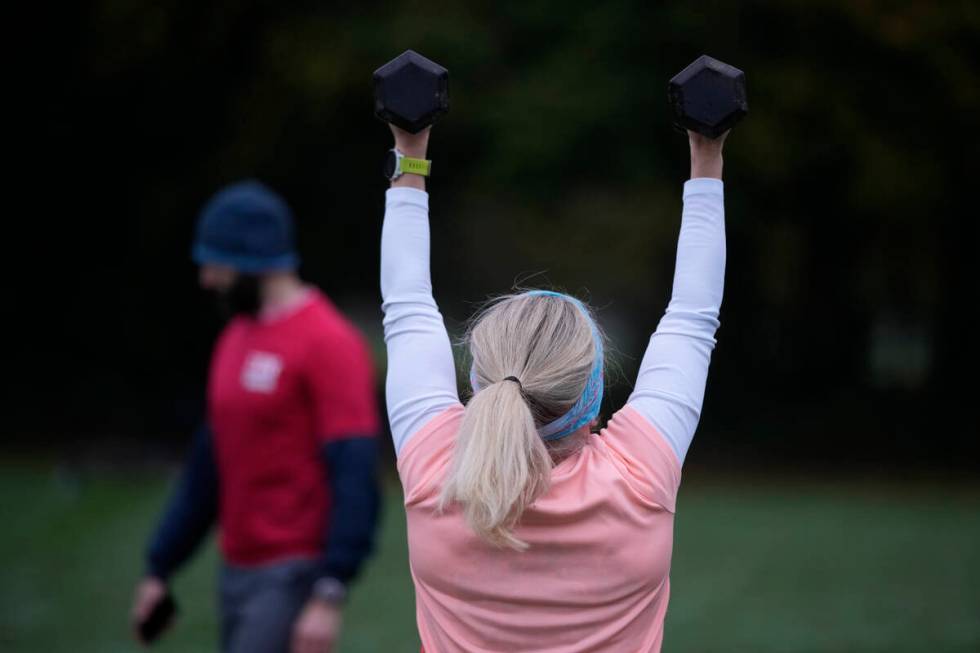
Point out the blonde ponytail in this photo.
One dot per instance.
(501, 465)
(532, 357)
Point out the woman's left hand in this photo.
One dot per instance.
(413, 145)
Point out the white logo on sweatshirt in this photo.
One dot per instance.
(261, 370)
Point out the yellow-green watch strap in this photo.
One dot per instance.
(415, 166)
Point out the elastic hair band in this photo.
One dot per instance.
(515, 380)
(586, 408)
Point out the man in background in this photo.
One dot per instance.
(286, 461)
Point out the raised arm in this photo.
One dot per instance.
(670, 387)
(421, 380)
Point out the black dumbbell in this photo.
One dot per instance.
(708, 97)
(411, 92)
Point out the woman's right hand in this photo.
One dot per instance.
(706, 158)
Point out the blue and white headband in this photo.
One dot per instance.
(587, 407)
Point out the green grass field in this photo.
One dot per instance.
(790, 566)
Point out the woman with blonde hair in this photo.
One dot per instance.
(527, 531)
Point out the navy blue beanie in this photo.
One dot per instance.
(248, 227)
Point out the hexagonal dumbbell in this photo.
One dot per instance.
(411, 92)
(708, 97)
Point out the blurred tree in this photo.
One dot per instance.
(849, 199)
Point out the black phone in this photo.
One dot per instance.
(159, 618)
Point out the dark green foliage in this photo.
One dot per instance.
(852, 228)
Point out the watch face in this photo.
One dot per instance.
(391, 160)
(330, 590)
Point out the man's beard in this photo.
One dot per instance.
(242, 297)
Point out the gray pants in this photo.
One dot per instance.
(259, 605)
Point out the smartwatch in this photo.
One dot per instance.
(330, 590)
(397, 164)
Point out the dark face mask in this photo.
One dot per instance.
(241, 298)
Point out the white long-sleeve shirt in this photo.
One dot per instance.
(669, 391)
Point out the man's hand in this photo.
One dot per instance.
(317, 629)
(149, 592)
(414, 146)
(706, 159)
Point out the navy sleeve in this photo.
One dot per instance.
(351, 472)
(192, 510)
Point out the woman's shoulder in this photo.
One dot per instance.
(426, 455)
(643, 456)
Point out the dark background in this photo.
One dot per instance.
(847, 331)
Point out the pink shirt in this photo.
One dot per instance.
(596, 575)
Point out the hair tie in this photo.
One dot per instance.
(586, 409)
